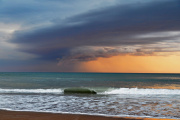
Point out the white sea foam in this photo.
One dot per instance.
(166, 106)
(143, 91)
(53, 91)
(109, 91)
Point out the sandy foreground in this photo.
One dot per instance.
(16, 115)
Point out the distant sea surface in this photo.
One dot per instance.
(118, 94)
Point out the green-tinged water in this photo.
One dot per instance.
(61, 80)
(121, 94)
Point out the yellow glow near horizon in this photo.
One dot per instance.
(134, 64)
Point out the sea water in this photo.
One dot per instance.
(118, 94)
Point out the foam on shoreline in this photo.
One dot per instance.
(86, 114)
(19, 115)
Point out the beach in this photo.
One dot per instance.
(131, 95)
(19, 115)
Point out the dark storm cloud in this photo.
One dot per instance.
(113, 26)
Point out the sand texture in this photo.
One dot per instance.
(14, 115)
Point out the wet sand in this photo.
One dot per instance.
(16, 115)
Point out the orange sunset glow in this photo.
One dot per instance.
(121, 36)
(134, 64)
(89, 59)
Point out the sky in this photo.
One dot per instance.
(122, 36)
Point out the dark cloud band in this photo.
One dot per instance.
(111, 27)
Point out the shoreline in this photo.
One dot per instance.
(28, 115)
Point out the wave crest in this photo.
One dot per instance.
(143, 91)
(126, 91)
(53, 91)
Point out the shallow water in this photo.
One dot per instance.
(149, 95)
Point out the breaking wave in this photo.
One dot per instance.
(143, 91)
(115, 91)
(53, 91)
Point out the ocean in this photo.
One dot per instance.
(118, 94)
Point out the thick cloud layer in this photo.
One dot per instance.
(138, 29)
